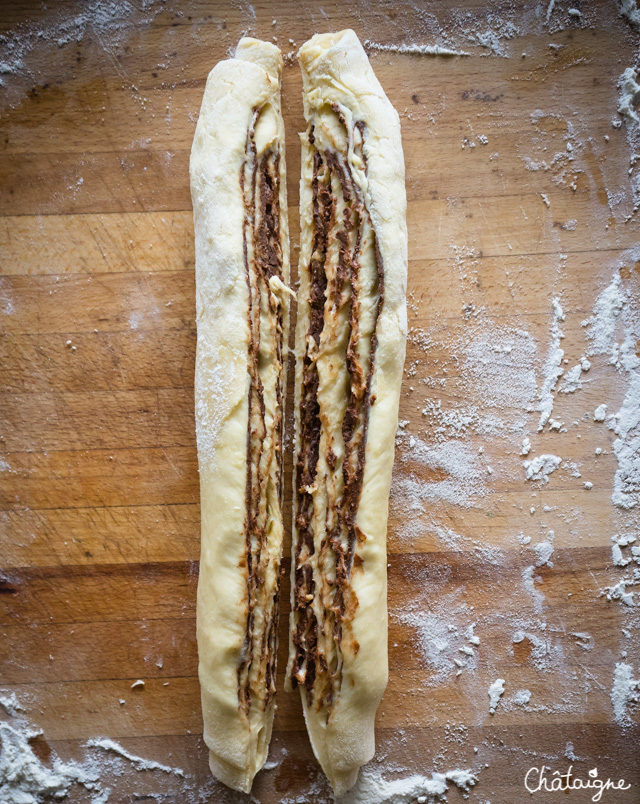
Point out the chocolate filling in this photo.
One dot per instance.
(306, 637)
(324, 606)
(260, 186)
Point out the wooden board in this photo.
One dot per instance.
(99, 516)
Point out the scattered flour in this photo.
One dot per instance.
(488, 363)
(109, 22)
(445, 637)
(500, 365)
(624, 693)
(457, 543)
(495, 692)
(497, 30)
(458, 470)
(26, 779)
(373, 788)
(10, 703)
(541, 467)
(547, 653)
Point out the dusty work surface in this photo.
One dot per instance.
(524, 323)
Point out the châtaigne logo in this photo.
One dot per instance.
(542, 779)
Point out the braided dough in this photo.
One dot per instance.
(350, 346)
(241, 236)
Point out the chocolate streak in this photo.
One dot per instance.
(260, 186)
(322, 675)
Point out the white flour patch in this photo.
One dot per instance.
(619, 590)
(546, 654)
(457, 543)
(458, 474)
(492, 37)
(528, 581)
(555, 152)
(628, 98)
(500, 364)
(521, 697)
(105, 744)
(540, 467)
(489, 368)
(552, 367)
(373, 788)
(624, 551)
(6, 302)
(458, 421)
(626, 425)
(495, 692)
(629, 95)
(599, 414)
(613, 331)
(413, 49)
(603, 323)
(491, 32)
(583, 640)
(544, 551)
(572, 381)
(624, 693)
(549, 11)
(445, 637)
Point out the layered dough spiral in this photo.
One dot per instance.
(350, 344)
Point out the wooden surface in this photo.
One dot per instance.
(99, 486)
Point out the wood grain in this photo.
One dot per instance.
(99, 498)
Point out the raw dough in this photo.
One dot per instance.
(241, 234)
(350, 347)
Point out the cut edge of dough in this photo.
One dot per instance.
(336, 68)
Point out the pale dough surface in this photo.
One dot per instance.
(336, 71)
(235, 88)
